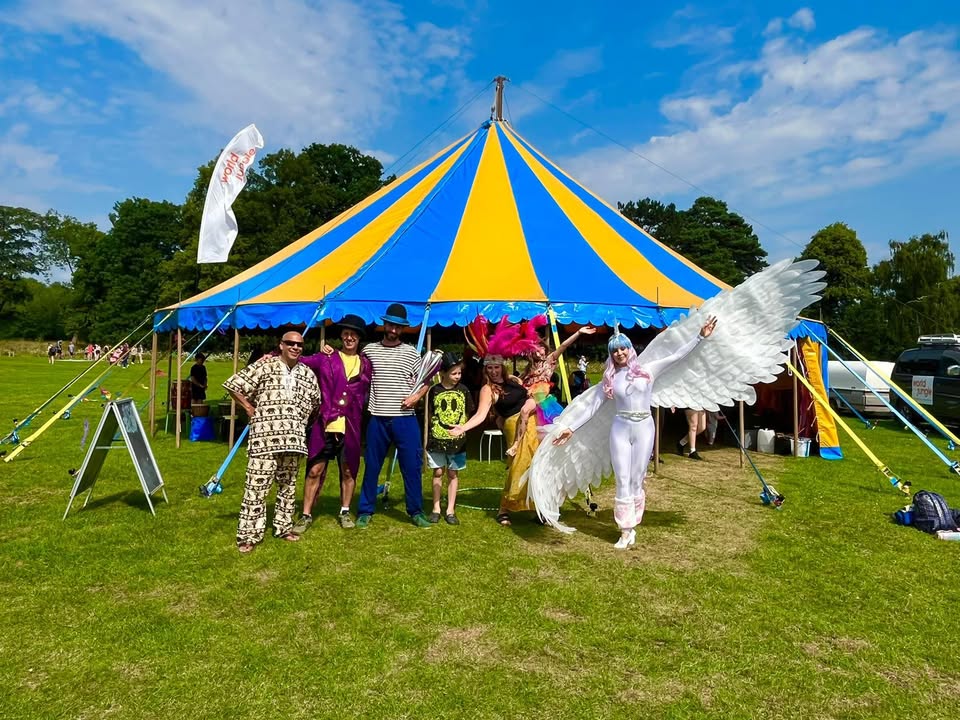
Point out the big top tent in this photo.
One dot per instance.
(488, 226)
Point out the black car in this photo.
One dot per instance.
(930, 374)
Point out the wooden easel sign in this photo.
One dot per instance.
(119, 415)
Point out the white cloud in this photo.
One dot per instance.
(20, 157)
(695, 36)
(27, 97)
(329, 70)
(694, 110)
(802, 19)
(31, 172)
(799, 121)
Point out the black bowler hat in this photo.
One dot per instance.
(396, 314)
(353, 322)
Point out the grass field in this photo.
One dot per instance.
(724, 609)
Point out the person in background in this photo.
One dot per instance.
(198, 378)
(696, 424)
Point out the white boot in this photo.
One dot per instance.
(627, 538)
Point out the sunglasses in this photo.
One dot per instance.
(292, 343)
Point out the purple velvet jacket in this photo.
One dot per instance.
(334, 388)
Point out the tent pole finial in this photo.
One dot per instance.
(497, 109)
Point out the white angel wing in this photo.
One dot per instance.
(748, 346)
(560, 472)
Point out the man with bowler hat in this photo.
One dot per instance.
(393, 396)
(344, 378)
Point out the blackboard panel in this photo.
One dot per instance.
(97, 453)
(137, 444)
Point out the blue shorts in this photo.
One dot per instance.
(437, 459)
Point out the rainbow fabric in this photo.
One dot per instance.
(548, 407)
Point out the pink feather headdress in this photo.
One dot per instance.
(510, 340)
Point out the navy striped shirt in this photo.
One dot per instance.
(394, 372)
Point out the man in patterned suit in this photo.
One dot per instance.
(280, 396)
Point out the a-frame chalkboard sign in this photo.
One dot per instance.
(122, 416)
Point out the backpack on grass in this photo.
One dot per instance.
(932, 514)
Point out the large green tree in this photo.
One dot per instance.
(913, 294)
(66, 239)
(708, 234)
(116, 279)
(21, 255)
(42, 315)
(844, 259)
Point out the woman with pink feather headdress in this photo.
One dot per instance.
(507, 397)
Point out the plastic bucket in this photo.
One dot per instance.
(766, 441)
(803, 445)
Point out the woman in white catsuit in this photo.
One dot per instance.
(632, 433)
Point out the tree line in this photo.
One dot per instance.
(147, 259)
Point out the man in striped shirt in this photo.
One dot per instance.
(393, 397)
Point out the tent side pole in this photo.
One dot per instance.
(179, 386)
(742, 439)
(166, 404)
(233, 401)
(426, 408)
(796, 404)
(656, 442)
(152, 413)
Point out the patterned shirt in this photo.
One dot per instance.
(284, 399)
(394, 373)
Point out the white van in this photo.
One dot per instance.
(854, 392)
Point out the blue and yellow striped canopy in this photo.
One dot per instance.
(488, 226)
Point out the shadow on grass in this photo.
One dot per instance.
(133, 499)
(604, 527)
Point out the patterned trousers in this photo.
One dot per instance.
(261, 472)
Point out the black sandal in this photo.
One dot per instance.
(504, 519)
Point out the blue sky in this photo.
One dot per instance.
(797, 115)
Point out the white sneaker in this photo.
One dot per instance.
(626, 540)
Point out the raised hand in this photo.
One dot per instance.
(708, 327)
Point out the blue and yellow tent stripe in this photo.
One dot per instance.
(487, 226)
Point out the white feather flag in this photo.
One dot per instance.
(218, 227)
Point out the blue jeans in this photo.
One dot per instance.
(404, 432)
